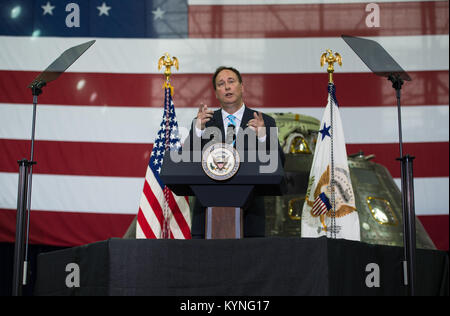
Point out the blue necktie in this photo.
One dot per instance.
(231, 135)
(231, 118)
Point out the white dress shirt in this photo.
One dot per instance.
(238, 119)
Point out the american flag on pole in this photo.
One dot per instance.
(162, 214)
(92, 129)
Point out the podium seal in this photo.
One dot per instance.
(220, 161)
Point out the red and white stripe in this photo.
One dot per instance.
(97, 122)
(150, 215)
(319, 208)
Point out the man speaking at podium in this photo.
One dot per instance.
(232, 119)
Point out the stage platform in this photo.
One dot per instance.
(246, 267)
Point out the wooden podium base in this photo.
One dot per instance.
(224, 223)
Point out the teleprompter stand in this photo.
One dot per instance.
(382, 64)
(224, 200)
(52, 72)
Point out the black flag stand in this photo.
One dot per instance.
(51, 73)
(382, 64)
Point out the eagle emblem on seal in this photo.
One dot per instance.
(220, 161)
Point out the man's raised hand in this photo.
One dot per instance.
(204, 115)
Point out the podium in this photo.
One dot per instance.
(224, 200)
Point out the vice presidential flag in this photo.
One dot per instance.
(162, 214)
(329, 208)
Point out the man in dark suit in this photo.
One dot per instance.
(234, 117)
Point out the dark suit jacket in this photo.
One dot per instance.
(254, 214)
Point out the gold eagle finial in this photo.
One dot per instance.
(168, 62)
(329, 58)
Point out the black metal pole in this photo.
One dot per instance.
(36, 90)
(20, 227)
(407, 166)
(407, 192)
(20, 272)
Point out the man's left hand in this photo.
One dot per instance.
(257, 124)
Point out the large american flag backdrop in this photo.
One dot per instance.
(96, 123)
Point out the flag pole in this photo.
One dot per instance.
(167, 62)
(329, 58)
